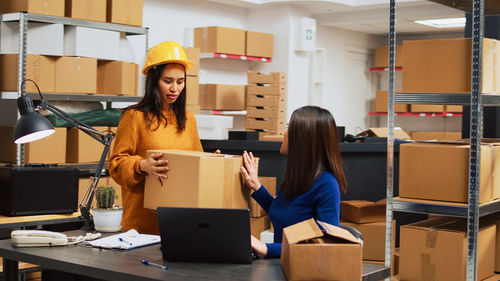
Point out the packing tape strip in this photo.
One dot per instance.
(430, 241)
(428, 270)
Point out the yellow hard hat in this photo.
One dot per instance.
(166, 52)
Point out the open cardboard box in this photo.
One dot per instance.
(383, 133)
(311, 254)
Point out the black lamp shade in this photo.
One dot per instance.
(31, 126)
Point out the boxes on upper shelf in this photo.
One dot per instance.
(76, 75)
(198, 179)
(217, 39)
(271, 78)
(453, 108)
(128, 12)
(259, 44)
(117, 78)
(41, 69)
(49, 150)
(222, 97)
(441, 171)
(362, 211)
(271, 89)
(266, 112)
(192, 90)
(266, 100)
(43, 38)
(382, 56)
(436, 249)
(94, 10)
(381, 103)
(44, 7)
(82, 148)
(440, 66)
(424, 108)
(193, 54)
(80, 41)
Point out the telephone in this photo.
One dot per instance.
(37, 238)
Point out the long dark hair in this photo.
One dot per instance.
(152, 102)
(312, 148)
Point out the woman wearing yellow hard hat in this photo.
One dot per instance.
(158, 121)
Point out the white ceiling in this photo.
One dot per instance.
(367, 16)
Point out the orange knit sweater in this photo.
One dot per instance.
(132, 140)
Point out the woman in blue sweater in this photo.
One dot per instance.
(313, 181)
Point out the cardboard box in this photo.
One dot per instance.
(80, 42)
(266, 112)
(117, 78)
(259, 44)
(435, 249)
(268, 124)
(94, 10)
(373, 238)
(362, 211)
(222, 97)
(81, 148)
(495, 219)
(382, 100)
(41, 69)
(44, 7)
(217, 39)
(75, 75)
(195, 109)
(266, 100)
(382, 133)
(199, 180)
(436, 135)
(271, 78)
(128, 12)
(270, 89)
(310, 254)
(49, 150)
(455, 108)
(441, 172)
(426, 108)
(192, 90)
(440, 66)
(382, 56)
(193, 54)
(258, 225)
(268, 137)
(256, 210)
(43, 38)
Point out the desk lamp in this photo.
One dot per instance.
(32, 126)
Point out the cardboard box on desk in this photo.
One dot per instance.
(256, 210)
(435, 249)
(94, 10)
(117, 78)
(44, 7)
(128, 12)
(222, 97)
(41, 69)
(198, 180)
(373, 238)
(50, 150)
(81, 148)
(43, 38)
(362, 211)
(259, 44)
(440, 66)
(310, 254)
(440, 171)
(76, 75)
(217, 39)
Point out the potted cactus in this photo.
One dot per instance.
(107, 216)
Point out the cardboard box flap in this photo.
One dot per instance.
(338, 232)
(382, 133)
(302, 231)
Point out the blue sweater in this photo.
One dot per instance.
(321, 202)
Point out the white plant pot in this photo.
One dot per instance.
(107, 220)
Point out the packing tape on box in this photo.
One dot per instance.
(428, 269)
(430, 241)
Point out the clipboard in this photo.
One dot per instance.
(125, 241)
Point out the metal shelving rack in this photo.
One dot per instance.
(23, 19)
(472, 210)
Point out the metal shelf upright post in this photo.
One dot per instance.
(473, 211)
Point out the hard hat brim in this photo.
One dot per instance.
(186, 63)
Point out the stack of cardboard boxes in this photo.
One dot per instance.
(259, 219)
(266, 102)
(192, 82)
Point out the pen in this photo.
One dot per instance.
(164, 267)
(123, 240)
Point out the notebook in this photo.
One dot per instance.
(125, 241)
(205, 235)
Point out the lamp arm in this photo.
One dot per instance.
(99, 136)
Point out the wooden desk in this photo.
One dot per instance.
(24, 221)
(125, 265)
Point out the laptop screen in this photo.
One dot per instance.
(205, 235)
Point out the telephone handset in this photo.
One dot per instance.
(37, 238)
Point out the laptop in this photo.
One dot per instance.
(205, 235)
